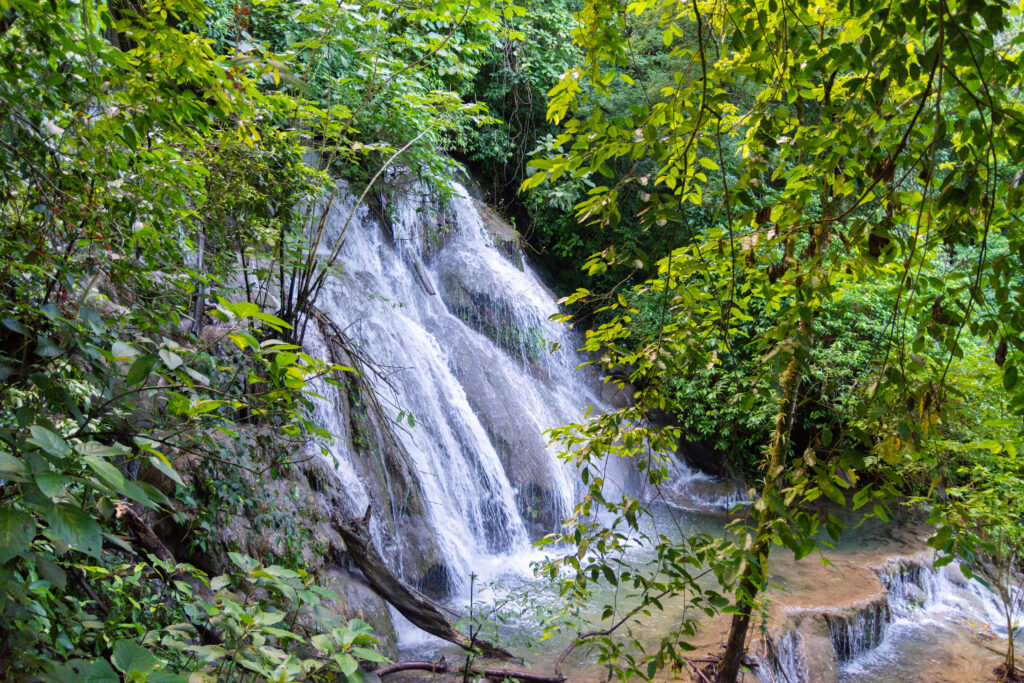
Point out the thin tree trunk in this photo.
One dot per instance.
(200, 309)
(754, 571)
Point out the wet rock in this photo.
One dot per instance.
(540, 509)
(496, 524)
(492, 317)
(915, 594)
(436, 582)
(954, 574)
(505, 237)
(700, 456)
(617, 396)
(705, 493)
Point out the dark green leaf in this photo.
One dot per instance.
(48, 441)
(76, 528)
(17, 529)
(140, 370)
(130, 657)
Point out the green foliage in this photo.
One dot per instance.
(833, 148)
(708, 402)
(513, 82)
(172, 623)
(160, 261)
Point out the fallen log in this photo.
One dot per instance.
(414, 606)
(442, 667)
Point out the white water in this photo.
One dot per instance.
(471, 363)
(928, 607)
(469, 395)
(924, 621)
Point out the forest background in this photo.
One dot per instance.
(795, 230)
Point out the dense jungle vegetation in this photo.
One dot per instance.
(795, 229)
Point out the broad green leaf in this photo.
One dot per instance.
(17, 529)
(172, 360)
(75, 527)
(140, 370)
(1010, 377)
(160, 462)
(130, 657)
(368, 654)
(52, 484)
(52, 572)
(107, 472)
(347, 663)
(49, 442)
(11, 467)
(123, 351)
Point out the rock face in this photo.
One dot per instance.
(700, 456)
(290, 517)
(505, 237)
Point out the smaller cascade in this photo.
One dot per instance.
(915, 585)
(693, 490)
(859, 628)
(915, 595)
(786, 658)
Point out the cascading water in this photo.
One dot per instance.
(930, 608)
(465, 335)
(460, 338)
(786, 659)
(895, 634)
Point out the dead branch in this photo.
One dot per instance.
(147, 537)
(414, 606)
(441, 667)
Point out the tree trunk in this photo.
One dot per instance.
(200, 308)
(754, 572)
(416, 607)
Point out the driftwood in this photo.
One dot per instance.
(414, 606)
(441, 667)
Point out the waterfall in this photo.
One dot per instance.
(461, 338)
(915, 587)
(786, 658)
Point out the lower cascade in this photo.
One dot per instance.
(873, 639)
